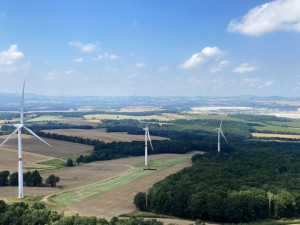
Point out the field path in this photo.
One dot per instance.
(120, 200)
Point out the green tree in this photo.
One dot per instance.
(70, 163)
(4, 178)
(52, 180)
(284, 205)
(140, 201)
(13, 179)
(2, 206)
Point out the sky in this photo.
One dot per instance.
(150, 47)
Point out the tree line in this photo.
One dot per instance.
(31, 179)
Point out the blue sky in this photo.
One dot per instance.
(151, 47)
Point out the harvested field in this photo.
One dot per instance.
(81, 122)
(9, 160)
(293, 136)
(102, 135)
(115, 202)
(120, 200)
(58, 149)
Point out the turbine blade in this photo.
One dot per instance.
(223, 136)
(30, 131)
(10, 136)
(221, 123)
(150, 141)
(22, 105)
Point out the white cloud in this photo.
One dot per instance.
(269, 83)
(220, 66)
(106, 56)
(200, 57)
(140, 65)
(85, 47)
(78, 60)
(277, 15)
(245, 68)
(10, 56)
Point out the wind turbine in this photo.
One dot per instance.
(147, 136)
(18, 130)
(220, 132)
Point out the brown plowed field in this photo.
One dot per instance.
(58, 149)
(9, 160)
(102, 135)
(293, 136)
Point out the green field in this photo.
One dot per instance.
(94, 190)
(276, 129)
(51, 118)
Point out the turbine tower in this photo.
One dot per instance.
(220, 132)
(19, 131)
(147, 136)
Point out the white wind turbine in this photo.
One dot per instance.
(220, 131)
(147, 136)
(19, 128)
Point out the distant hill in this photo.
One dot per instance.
(40, 102)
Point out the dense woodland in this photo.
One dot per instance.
(22, 214)
(242, 186)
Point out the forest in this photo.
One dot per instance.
(247, 185)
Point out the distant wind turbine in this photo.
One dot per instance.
(147, 136)
(19, 128)
(220, 131)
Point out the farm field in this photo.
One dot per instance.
(276, 135)
(119, 200)
(102, 135)
(58, 149)
(121, 117)
(50, 118)
(9, 160)
(81, 122)
(76, 177)
(276, 129)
